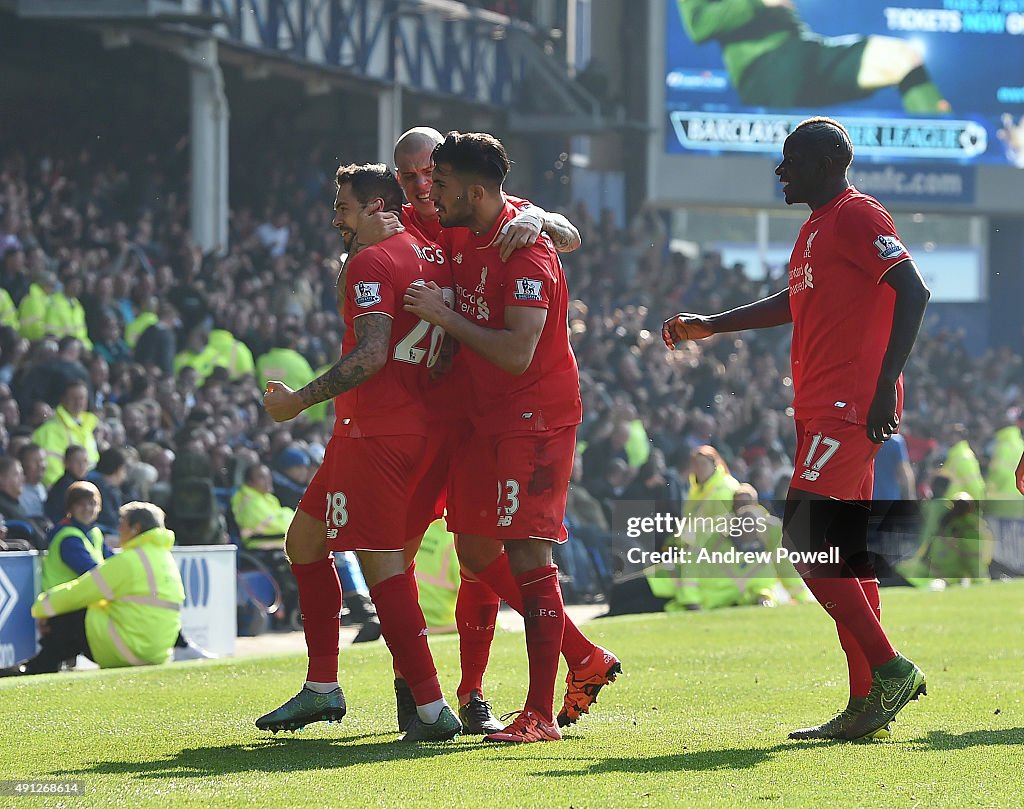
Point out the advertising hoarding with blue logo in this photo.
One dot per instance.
(940, 81)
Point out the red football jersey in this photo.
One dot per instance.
(429, 229)
(548, 394)
(450, 396)
(842, 310)
(391, 401)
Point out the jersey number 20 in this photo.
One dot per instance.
(408, 349)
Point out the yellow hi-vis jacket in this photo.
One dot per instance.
(57, 434)
(32, 312)
(438, 578)
(1001, 486)
(260, 514)
(8, 311)
(65, 317)
(132, 602)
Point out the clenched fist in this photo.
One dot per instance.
(685, 326)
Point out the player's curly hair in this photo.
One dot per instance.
(371, 181)
(828, 137)
(475, 153)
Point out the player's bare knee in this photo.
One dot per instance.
(528, 554)
(476, 553)
(305, 541)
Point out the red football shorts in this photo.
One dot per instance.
(512, 485)
(362, 490)
(834, 458)
(430, 497)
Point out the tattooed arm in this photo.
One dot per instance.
(373, 339)
(526, 228)
(562, 232)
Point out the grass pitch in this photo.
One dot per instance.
(699, 718)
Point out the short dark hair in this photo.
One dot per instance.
(79, 491)
(71, 450)
(7, 464)
(110, 461)
(250, 471)
(371, 181)
(474, 153)
(144, 516)
(25, 449)
(828, 138)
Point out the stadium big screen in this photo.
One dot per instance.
(728, 76)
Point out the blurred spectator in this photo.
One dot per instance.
(76, 467)
(1004, 499)
(894, 476)
(75, 544)
(108, 476)
(109, 343)
(961, 466)
(292, 473)
(19, 526)
(15, 278)
(274, 234)
(72, 424)
(33, 492)
(262, 520)
(959, 549)
(158, 345)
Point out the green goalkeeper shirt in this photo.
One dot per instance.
(746, 29)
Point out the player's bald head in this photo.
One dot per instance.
(417, 139)
(826, 138)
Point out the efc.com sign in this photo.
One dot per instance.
(923, 185)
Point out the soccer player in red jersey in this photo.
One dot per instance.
(1020, 474)
(856, 301)
(511, 317)
(357, 499)
(449, 403)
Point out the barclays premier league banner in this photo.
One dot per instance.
(941, 80)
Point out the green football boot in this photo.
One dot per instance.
(303, 709)
(893, 685)
(835, 727)
(405, 704)
(445, 728)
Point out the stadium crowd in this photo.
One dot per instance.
(130, 357)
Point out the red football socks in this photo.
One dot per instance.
(846, 602)
(476, 612)
(544, 615)
(405, 631)
(498, 576)
(320, 603)
(860, 671)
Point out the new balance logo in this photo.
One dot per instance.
(810, 474)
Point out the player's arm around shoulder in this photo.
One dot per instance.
(510, 347)
(525, 229)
